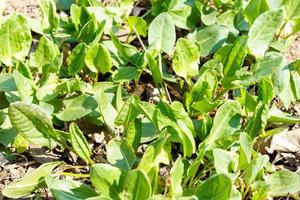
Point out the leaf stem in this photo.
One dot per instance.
(72, 174)
(280, 31)
(139, 38)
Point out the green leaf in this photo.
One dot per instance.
(79, 16)
(264, 67)
(226, 122)
(257, 123)
(7, 83)
(50, 19)
(76, 60)
(137, 24)
(214, 65)
(127, 113)
(107, 111)
(205, 106)
(176, 178)
(45, 54)
(155, 70)
(216, 187)
(211, 38)
(175, 116)
(265, 91)
(136, 186)
(25, 86)
(107, 180)
(228, 19)
(186, 59)
(80, 144)
(77, 107)
(204, 88)
(222, 161)
(47, 91)
(32, 123)
(98, 59)
(278, 116)
(120, 154)
(133, 133)
(255, 8)
(92, 31)
(208, 15)
(232, 56)
(245, 150)
(292, 9)
(127, 52)
(15, 36)
(181, 13)
(295, 79)
(283, 183)
(262, 31)
(69, 189)
(282, 85)
(30, 182)
(254, 168)
(162, 33)
(64, 4)
(125, 74)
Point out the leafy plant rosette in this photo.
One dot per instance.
(181, 99)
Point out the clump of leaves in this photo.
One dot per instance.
(193, 139)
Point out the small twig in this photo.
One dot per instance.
(168, 94)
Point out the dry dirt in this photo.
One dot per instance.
(27, 7)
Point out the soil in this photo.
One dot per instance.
(28, 7)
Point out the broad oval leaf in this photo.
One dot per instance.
(79, 143)
(32, 123)
(232, 56)
(69, 189)
(24, 85)
(254, 168)
(125, 74)
(176, 178)
(7, 83)
(136, 186)
(76, 60)
(120, 154)
(15, 39)
(46, 53)
(278, 116)
(138, 25)
(107, 110)
(262, 31)
(30, 182)
(50, 19)
(292, 9)
(254, 8)
(211, 38)
(186, 59)
(107, 180)
(216, 187)
(282, 183)
(162, 32)
(204, 88)
(98, 59)
(226, 121)
(77, 107)
(264, 67)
